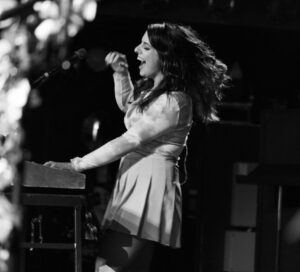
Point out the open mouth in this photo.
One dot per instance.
(143, 62)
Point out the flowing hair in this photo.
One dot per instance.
(189, 66)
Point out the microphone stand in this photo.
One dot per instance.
(44, 77)
(78, 56)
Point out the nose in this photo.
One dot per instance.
(137, 49)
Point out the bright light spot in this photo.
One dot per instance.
(96, 127)
(4, 254)
(16, 99)
(47, 9)
(89, 11)
(77, 5)
(66, 65)
(7, 5)
(47, 28)
(72, 30)
(20, 40)
(6, 173)
(6, 219)
(17, 96)
(5, 47)
(87, 8)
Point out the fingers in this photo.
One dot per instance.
(59, 165)
(52, 164)
(49, 164)
(114, 56)
(117, 61)
(75, 163)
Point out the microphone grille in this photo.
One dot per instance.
(81, 53)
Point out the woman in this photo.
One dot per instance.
(181, 80)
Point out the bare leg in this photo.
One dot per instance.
(121, 252)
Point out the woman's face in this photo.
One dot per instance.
(149, 58)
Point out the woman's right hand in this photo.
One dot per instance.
(60, 165)
(117, 62)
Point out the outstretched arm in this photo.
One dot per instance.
(161, 117)
(158, 119)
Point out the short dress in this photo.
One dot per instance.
(146, 200)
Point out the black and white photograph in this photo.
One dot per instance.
(149, 135)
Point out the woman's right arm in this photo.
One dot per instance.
(122, 80)
(123, 90)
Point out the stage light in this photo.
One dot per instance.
(46, 28)
(47, 9)
(88, 9)
(6, 5)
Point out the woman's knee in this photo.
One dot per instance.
(120, 251)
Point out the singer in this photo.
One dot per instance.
(181, 81)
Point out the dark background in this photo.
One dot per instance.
(258, 40)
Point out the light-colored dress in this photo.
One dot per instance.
(146, 200)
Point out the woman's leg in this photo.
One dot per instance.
(121, 252)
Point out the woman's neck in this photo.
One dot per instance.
(157, 80)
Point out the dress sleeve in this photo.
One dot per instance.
(123, 90)
(160, 117)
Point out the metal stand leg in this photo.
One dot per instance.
(278, 229)
(78, 244)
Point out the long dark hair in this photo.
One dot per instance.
(189, 65)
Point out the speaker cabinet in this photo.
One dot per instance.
(239, 251)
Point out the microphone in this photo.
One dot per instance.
(78, 56)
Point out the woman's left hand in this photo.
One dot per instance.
(60, 165)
